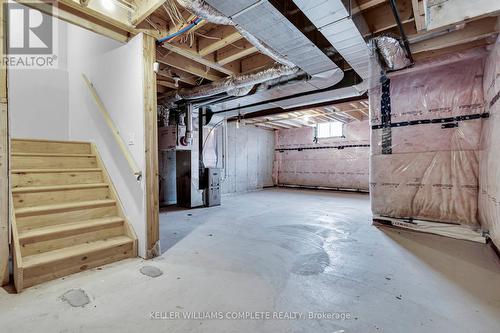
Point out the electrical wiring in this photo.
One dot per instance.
(190, 26)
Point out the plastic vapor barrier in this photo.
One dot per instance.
(425, 134)
(340, 163)
(489, 172)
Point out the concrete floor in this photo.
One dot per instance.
(278, 250)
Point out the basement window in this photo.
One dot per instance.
(333, 129)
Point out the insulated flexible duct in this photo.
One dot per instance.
(392, 53)
(235, 85)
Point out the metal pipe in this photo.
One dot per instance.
(224, 148)
(201, 165)
(395, 13)
(188, 137)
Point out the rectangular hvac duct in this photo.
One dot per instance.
(333, 20)
(264, 21)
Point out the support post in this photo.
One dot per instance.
(4, 157)
(151, 149)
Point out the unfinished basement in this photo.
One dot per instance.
(305, 166)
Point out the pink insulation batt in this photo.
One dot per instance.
(345, 168)
(489, 157)
(432, 171)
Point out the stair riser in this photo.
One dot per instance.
(28, 247)
(53, 162)
(55, 197)
(20, 146)
(60, 231)
(59, 178)
(36, 275)
(31, 222)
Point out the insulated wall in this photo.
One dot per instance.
(332, 162)
(426, 125)
(250, 157)
(489, 158)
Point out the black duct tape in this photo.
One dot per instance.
(282, 150)
(436, 121)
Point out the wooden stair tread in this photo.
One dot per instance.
(33, 189)
(74, 251)
(52, 154)
(47, 170)
(47, 209)
(68, 227)
(50, 141)
(66, 214)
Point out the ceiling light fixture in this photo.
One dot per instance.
(108, 4)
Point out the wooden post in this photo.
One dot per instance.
(4, 158)
(151, 149)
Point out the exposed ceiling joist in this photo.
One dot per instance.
(367, 5)
(237, 54)
(418, 13)
(223, 42)
(144, 9)
(287, 122)
(453, 49)
(183, 76)
(167, 84)
(380, 18)
(214, 35)
(472, 31)
(71, 15)
(117, 18)
(188, 65)
(197, 58)
(271, 126)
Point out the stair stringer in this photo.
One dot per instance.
(129, 230)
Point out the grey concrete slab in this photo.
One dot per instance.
(298, 255)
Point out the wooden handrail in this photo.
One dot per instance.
(123, 147)
(17, 260)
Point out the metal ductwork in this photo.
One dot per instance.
(333, 19)
(263, 22)
(392, 53)
(267, 24)
(200, 8)
(232, 108)
(233, 85)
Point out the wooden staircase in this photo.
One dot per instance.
(66, 214)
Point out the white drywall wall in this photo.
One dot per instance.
(38, 98)
(116, 70)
